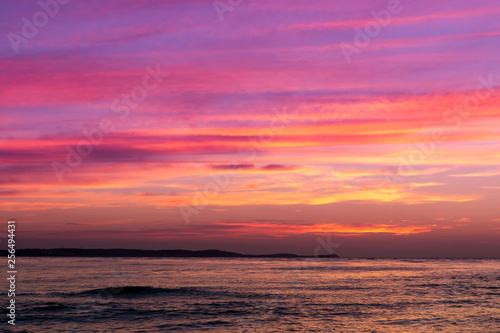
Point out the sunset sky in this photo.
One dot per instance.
(254, 127)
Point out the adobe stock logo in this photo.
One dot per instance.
(222, 8)
(372, 29)
(220, 181)
(94, 136)
(29, 29)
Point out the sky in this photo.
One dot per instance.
(364, 128)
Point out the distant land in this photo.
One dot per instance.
(69, 252)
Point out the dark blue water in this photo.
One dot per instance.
(256, 295)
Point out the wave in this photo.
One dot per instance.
(137, 291)
(50, 306)
(429, 285)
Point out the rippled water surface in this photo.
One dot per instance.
(257, 295)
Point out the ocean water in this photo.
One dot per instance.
(255, 295)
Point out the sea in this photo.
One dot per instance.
(254, 295)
